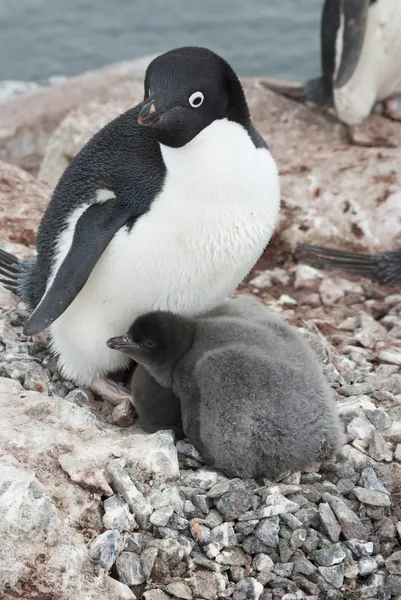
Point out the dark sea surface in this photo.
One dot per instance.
(42, 38)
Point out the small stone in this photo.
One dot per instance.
(302, 564)
(219, 489)
(333, 575)
(79, 397)
(309, 516)
(205, 584)
(212, 550)
(394, 585)
(370, 481)
(213, 519)
(202, 561)
(330, 555)
(397, 453)
(330, 292)
(307, 277)
(161, 516)
(191, 511)
(236, 573)
(291, 521)
(246, 527)
(267, 531)
(393, 563)
(359, 548)
(298, 538)
(202, 502)
(379, 449)
(253, 545)
(122, 591)
(248, 589)
(200, 533)
(129, 568)
(235, 503)
(371, 497)
(224, 535)
(124, 486)
(380, 419)
(283, 569)
(390, 356)
(276, 504)
(56, 388)
(155, 595)
(351, 570)
(351, 525)
(329, 521)
(105, 548)
(311, 542)
(285, 551)
(367, 565)
(357, 389)
(178, 523)
(360, 429)
(123, 414)
(117, 515)
(286, 300)
(148, 559)
(133, 542)
(233, 557)
(202, 479)
(179, 589)
(262, 562)
(188, 449)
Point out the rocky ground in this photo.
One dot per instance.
(91, 508)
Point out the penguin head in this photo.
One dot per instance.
(186, 89)
(156, 339)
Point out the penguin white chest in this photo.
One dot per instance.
(200, 238)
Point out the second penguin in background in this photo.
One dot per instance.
(254, 400)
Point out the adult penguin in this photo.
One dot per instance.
(168, 207)
(360, 59)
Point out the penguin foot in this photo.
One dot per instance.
(110, 390)
(392, 110)
(358, 138)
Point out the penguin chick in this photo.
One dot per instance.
(157, 407)
(180, 195)
(254, 401)
(384, 267)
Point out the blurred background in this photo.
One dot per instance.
(44, 38)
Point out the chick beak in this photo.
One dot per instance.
(148, 114)
(123, 341)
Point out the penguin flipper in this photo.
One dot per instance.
(10, 271)
(384, 267)
(93, 231)
(353, 20)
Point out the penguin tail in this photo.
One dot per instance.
(11, 270)
(384, 267)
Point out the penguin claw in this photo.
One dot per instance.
(392, 110)
(110, 390)
(358, 138)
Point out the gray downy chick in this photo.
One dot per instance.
(254, 400)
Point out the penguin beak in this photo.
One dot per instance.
(123, 341)
(148, 114)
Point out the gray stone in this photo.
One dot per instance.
(202, 561)
(178, 523)
(248, 589)
(351, 570)
(285, 551)
(302, 564)
(212, 550)
(124, 486)
(333, 575)
(129, 568)
(224, 535)
(311, 542)
(202, 502)
(298, 538)
(191, 511)
(267, 531)
(291, 521)
(187, 449)
(390, 356)
(307, 585)
(359, 548)
(351, 525)
(253, 545)
(379, 418)
(262, 562)
(371, 497)
(205, 584)
(235, 503)
(379, 449)
(56, 388)
(79, 397)
(276, 504)
(394, 584)
(357, 389)
(283, 569)
(105, 548)
(200, 533)
(233, 557)
(367, 565)
(371, 482)
(246, 527)
(213, 519)
(219, 489)
(202, 478)
(123, 414)
(236, 573)
(308, 516)
(148, 559)
(393, 563)
(117, 515)
(179, 589)
(133, 542)
(329, 521)
(344, 486)
(330, 555)
(155, 595)
(161, 516)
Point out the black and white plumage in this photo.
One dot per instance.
(254, 401)
(384, 267)
(167, 207)
(360, 49)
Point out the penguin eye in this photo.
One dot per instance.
(149, 344)
(196, 99)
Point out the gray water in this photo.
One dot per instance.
(42, 38)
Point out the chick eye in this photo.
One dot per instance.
(149, 344)
(196, 99)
